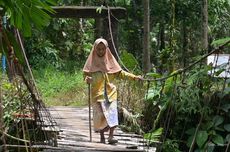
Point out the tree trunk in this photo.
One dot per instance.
(205, 25)
(161, 45)
(146, 37)
(185, 45)
(98, 27)
(162, 36)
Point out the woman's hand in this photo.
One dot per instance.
(88, 79)
(139, 77)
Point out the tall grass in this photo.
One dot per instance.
(61, 88)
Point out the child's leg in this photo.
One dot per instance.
(102, 140)
(111, 139)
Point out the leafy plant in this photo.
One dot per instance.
(210, 134)
(23, 13)
(220, 41)
(171, 146)
(129, 61)
(187, 97)
(14, 97)
(154, 135)
(43, 53)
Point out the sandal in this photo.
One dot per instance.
(112, 140)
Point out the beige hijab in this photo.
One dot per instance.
(107, 63)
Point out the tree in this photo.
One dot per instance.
(205, 24)
(146, 41)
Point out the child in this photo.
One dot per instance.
(100, 70)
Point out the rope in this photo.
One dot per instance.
(169, 113)
(115, 50)
(191, 65)
(38, 102)
(27, 62)
(15, 138)
(111, 35)
(224, 85)
(147, 92)
(194, 138)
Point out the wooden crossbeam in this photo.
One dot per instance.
(87, 12)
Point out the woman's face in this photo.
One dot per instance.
(100, 49)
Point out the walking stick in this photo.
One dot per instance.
(89, 104)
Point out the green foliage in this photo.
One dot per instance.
(220, 41)
(50, 84)
(62, 43)
(123, 2)
(43, 53)
(14, 99)
(153, 95)
(189, 96)
(99, 9)
(23, 13)
(61, 87)
(219, 18)
(154, 75)
(129, 61)
(70, 2)
(202, 137)
(131, 31)
(11, 102)
(171, 146)
(154, 136)
(197, 101)
(192, 96)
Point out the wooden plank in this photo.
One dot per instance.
(73, 123)
(87, 12)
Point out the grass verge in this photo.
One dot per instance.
(61, 88)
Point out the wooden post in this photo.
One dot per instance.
(98, 28)
(102, 29)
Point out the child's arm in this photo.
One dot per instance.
(126, 75)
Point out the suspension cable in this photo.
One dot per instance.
(191, 65)
(111, 35)
(27, 62)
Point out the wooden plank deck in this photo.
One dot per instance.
(74, 134)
